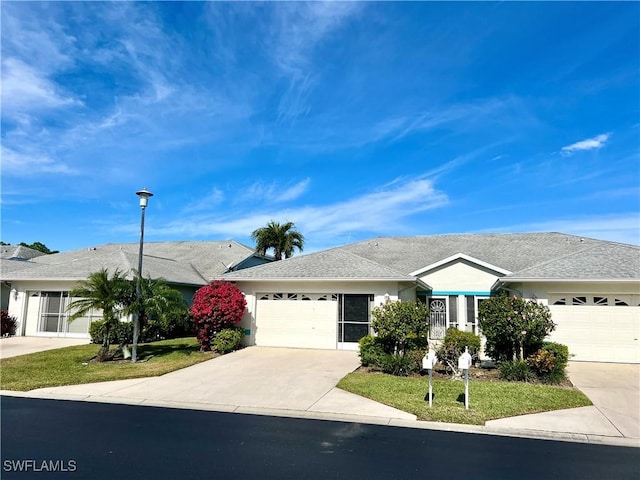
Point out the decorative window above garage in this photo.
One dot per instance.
(331, 297)
(597, 300)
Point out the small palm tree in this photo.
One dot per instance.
(282, 238)
(101, 292)
(162, 305)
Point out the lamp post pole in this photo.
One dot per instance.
(144, 195)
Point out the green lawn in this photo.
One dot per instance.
(487, 400)
(71, 365)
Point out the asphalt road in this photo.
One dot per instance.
(107, 441)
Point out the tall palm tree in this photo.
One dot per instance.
(101, 292)
(282, 238)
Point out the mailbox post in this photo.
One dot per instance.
(428, 362)
(464, 362)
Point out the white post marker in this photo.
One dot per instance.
(428, 361)
(464, 362)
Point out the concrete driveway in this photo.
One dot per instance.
(14, 346)
(251, 380)
(614, 390)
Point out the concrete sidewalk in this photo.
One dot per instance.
(301, 383)
(14, 346)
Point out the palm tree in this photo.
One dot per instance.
(163, 307)
(282, 238)
(101, 292)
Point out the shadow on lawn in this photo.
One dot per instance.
(151, 350)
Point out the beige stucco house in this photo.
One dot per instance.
(324, 299)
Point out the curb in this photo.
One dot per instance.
(341, 417)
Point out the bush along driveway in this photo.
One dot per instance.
(488, 400)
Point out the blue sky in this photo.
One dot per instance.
(352, 120)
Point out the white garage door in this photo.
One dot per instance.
(602, 328)
(297, 320)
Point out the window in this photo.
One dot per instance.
(353, 317)
(600, 301)
(621, 303)
(292, 296)
(453, 311)
(560, 301)
(579, 301)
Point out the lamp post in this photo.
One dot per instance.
(144, 195)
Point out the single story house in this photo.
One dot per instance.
(14, 253)
(37, 290)
(324, 299)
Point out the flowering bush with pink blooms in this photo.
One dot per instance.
(215, 307)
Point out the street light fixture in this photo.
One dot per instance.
(144, 195)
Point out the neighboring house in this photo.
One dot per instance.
(39, 288)
(14, 253)
(324, 299)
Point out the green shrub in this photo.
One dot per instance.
(401, 326)
(560, 355)
(512, 325)
(415, 359)
(516, 371)
(453, 346)
(398, 365)
(9, 324)
(122, 334)
(541, 362)
(228, 340)
(371, 351)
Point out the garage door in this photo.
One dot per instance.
(600, 328)
(297, 320)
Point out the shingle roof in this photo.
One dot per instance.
(19, 252)
(600, 262)
(192, 263)
(583, 257)
(334, 264)
(512, 252)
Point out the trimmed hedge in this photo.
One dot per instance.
(228, 340)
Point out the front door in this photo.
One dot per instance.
(353, 320)
(438, 320)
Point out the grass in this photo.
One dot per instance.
(487, 400)
(72, 366)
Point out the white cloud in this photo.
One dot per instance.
(272, 193)
(26, 89)
(215, 197)
(28, 164)
(598, 141)
(624, 228)
(294, 191)
(374, 212)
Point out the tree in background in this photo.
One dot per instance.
(41, 247)
(215, 307)
(101, 292)
(282, 238)
(514, 327)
